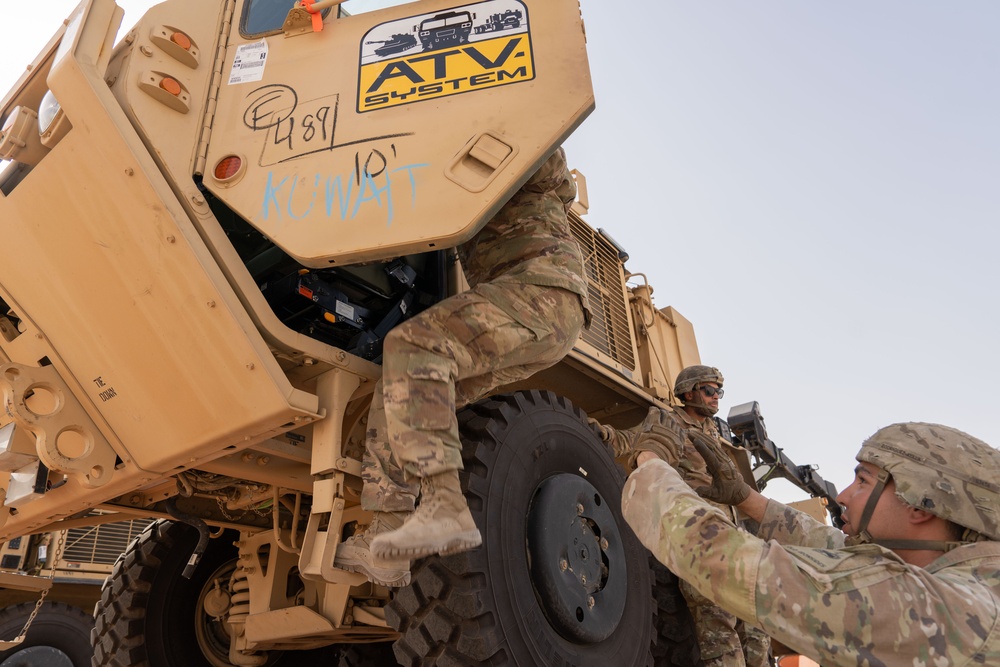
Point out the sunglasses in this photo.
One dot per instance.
(712, 391)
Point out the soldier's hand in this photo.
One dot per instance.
(659, 434)
(728, 486)
(605, 433)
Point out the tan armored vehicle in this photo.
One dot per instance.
(70, 566)
(208, 230)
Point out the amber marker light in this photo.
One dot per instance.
(181, 40)
(228, 168)
(171, 85)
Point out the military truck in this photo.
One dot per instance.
(71, 565)
(211, 223)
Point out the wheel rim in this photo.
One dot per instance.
(576, 557)
(213, 634)
(38, 655)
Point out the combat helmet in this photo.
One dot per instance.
(691, 376)
(940, 470)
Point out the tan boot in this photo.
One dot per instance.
(354, 554)
(441, 525)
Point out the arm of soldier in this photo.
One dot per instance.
(755, 506)
(779, 522)
(756, 581)
(692, 538)
(618, 441)
(786, 525)
(836, 606)
(658, 435)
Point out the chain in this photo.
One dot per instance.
(52, 575)
(221, 500)
(262, 510)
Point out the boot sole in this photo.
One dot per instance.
(397, 582)
(470, 539)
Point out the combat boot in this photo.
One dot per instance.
(441, 525)
(355, 555)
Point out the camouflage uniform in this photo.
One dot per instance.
(523, 313)
(838, 605)
(723, 639)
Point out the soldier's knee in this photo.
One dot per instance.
(413, 335)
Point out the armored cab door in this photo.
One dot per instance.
(394, 131)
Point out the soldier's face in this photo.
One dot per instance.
(699, 396)
(888, 521)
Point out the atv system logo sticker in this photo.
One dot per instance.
(458, 50)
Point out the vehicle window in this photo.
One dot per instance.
(355, 7)
(262, 17)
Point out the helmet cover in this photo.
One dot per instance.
(691, 376)
(941, 470)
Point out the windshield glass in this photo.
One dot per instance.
(261, 17)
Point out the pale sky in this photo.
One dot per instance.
(815, 185)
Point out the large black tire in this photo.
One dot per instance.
(59, 635)
(546, 495)
(150, 616)
(365, 655)
(147, 612)
(675, 644)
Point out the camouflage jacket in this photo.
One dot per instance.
(838, 605)
(530, 240)
(688, 461)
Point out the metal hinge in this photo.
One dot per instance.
(213, 89)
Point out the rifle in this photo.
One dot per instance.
(770, 462)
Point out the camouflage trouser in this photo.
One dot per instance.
(452, 354)
(756, 645)
(723, 639)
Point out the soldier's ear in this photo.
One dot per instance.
(918, 516)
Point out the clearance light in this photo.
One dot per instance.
(47, 111)
(166, 90)
(170, 85)
(181, 40)
(52, 122)
(228, 169)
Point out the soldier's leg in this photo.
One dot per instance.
(471, 340)
(756, 645)
(386, 488)
(548, 321)
(388, 495)
(461, 349)
(715, 630)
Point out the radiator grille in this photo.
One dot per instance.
(101, 544)
(609, 330)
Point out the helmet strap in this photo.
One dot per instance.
(699, 406)
(863, 536)
(919, 545)
(701, 409)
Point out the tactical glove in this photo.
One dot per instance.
(728, 486)
(605, 433)
(661, 434)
